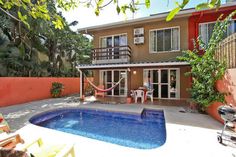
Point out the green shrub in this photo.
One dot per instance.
(56, 89)
(205, 70)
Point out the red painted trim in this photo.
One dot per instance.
(204, 16)
(227, 83)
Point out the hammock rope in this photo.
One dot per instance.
(103, 90)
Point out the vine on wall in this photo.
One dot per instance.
(205, 70)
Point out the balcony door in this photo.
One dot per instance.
(113, 42)
(165, 82)
(109, 77)
(109, 45)
(116, 46)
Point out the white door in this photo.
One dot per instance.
(110, 78)
(165, 82)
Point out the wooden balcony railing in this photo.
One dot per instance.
(226, 51)
(118, 54)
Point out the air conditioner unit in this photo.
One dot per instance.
(138, 40)
(138, 31)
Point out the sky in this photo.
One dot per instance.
(86, 16)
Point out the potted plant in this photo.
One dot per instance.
(130, 97)
(89, 90)
(56, 89)
(129, 100)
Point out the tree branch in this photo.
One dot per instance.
(6, 12)
(106, 4)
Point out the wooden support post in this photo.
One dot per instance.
(129, 81)
(81, 85)
(129, 98)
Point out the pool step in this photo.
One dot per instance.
(153, 115)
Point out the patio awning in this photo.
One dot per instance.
(132, 65)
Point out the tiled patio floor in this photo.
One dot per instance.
(18, 115)
(188, 134)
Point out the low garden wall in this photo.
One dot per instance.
(16, 90)
(227, 85)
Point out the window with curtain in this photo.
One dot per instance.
(164, 40)
(206, 30)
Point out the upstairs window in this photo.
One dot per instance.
(164, 40)
(113, 41)
(206, 30)
(114, 46)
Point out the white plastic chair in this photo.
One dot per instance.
(149, 94)
(139, 94)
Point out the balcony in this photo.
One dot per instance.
(118, 54)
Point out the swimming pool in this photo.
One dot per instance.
(143, 131)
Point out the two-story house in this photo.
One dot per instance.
(144, 52)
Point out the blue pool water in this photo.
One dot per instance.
(145, 131)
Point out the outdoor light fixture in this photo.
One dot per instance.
(134, 72)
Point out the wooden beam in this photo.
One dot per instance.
(81, 84)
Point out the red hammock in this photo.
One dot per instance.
(103, 90)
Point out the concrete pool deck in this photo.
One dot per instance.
(188, 134)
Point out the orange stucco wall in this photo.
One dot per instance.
(15, 90)
(227, 85)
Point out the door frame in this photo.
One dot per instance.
(101, 79)
(112, 40)
(159, 81)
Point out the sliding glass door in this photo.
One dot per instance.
(114, 42)
(110, 77)
(165, 82)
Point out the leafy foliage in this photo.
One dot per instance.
(38, 9)
(26, 8)
(56, 89)
(21, 48)
(31, 27)
(209, 4)
(205, 70)
(13, 62)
